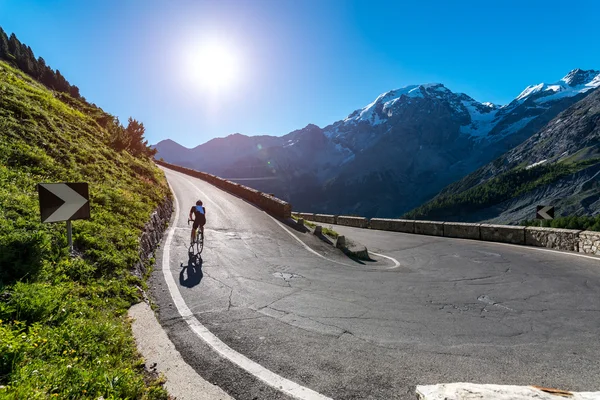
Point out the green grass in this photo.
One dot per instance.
(326, 231)
(508, 185)
(330, 232)
(63, 326)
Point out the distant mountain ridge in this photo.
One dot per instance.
(393, 154)
(559, 166)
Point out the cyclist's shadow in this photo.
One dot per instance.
(191, 274)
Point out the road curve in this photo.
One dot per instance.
(454, 310)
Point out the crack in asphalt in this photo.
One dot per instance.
(281, 298)
(257, 280)
(473, 279)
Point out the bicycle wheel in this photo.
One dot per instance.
(199, 242)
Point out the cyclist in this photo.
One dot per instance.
(199, 213)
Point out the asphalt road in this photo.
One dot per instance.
(453, 311)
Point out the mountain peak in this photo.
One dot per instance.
(579, 76)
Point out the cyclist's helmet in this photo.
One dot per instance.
(199, 203)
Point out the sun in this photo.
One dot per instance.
(214, 66)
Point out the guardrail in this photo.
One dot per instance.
(271, 204)
(561, 239)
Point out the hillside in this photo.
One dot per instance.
(63, 327)
(389, 156)
(559, 165)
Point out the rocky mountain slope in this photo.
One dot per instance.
(559, 165)
(390, 156)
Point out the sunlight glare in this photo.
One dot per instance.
(214, 66)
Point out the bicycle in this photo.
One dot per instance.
(198, 240)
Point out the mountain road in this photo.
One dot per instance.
(269, 312)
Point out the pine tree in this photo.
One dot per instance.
(135, 131)
(60, 83)
(74, 92)
(3, 45)
(41, 68)
(14, 49)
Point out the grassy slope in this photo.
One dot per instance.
(501, 188)
(63, 327)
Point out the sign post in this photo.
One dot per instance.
(544, 213)
(64, 202)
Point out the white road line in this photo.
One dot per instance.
(205, 196)
(304, 244)
(397, 264)
(516, 246)
(270, 378)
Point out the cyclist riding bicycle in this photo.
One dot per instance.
(199, 213)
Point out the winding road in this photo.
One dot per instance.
(270, 312)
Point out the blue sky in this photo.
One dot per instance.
(299, 61)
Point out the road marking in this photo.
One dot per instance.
(397, 264)
(518, 246)
(270, 378)
(307, 247)
(205, 196)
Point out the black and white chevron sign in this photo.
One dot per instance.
(544, 212)
(63, 201)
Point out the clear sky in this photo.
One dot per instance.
(294, 62)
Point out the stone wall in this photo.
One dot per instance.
(271, 204)
(395, 225)
(357, 222)
(152, 235)
(503, 233)
(561, 239)
(462, 230)
(431, 228)
(324, 218)
(589, 242)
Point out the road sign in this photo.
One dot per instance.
(544, 212)
(64, 201)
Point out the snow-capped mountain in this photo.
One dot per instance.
(477, 119)
(394, 153)
(559, 165)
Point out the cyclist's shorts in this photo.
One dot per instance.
(199, 221)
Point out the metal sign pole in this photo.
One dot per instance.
(70, 235)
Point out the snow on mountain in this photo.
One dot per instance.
(575, 82)
(386, 100)
(482, 117)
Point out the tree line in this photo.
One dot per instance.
(505, 186)
(19, 55)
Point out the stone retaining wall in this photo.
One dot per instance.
(431, 228)
(561, 239)
(271, 204)
(324, 218)
(152, 235)
(503, 233)
(307, 216)
(589, 242)
(395, 225)
(462, 230)
(357, 222)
